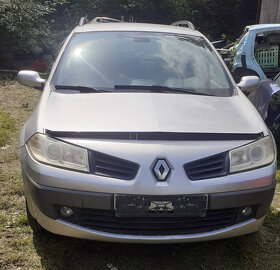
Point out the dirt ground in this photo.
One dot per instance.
(20, 249)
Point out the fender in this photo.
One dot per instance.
(265, 100)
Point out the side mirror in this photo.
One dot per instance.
(249, 83)
(31, 78)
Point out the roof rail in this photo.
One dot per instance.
(184, 23)
(83, 21)
(104, 20)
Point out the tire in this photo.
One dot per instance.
(35, 226)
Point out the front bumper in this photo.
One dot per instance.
(44, 203)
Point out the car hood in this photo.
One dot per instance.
(150, 112)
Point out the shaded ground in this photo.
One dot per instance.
(19, 249)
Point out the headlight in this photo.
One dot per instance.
(253, 155)
(57, 153)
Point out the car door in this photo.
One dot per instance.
(266, 99)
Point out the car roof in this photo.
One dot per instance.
(262, 26)
(141, 27)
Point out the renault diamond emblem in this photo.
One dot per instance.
(161, 170)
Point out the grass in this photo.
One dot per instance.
(7, 126)
(20, 249)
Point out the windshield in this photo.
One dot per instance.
(106, 60)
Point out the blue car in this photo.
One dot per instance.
(256, 53)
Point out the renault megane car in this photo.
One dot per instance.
(142, 135)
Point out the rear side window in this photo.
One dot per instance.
(106, 59)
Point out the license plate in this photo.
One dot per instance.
(148, 205)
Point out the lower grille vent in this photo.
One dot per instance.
(106, 221)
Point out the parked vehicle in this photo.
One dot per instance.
(256, 53)
(266, 99)
(142, 135)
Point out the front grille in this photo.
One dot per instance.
(109, 166)
(106, 221)
(210, 167)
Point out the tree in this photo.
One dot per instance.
(211, 17)
(30, 27)
(25, 28)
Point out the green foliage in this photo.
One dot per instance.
(21, 221)
(25, 28)
(24, 19)
(32, 28)
(156, 11)
(211, 17)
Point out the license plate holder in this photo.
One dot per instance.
(166, 205)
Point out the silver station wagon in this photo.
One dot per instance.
(142, 135)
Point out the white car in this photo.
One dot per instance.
(142, 135)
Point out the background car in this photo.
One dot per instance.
(256, 53)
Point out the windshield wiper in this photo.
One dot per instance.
(160, 89)
(81, 88)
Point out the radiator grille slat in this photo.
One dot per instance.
(106, 221)
(113, 167)
(206, 169)
(112, 163)
(151, 220)
(210, 167)
(207, 163)
(158, 226)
